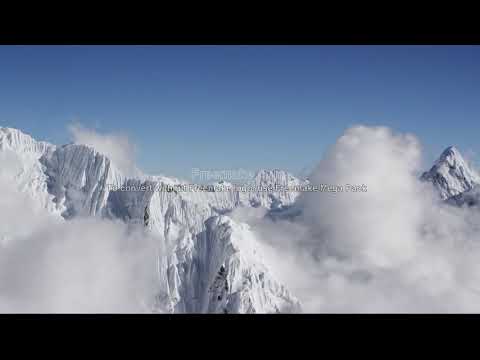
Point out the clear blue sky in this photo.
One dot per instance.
(242, 106)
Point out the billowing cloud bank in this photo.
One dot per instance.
(84, 266)
(393, 248)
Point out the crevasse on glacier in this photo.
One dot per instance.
(212, 263)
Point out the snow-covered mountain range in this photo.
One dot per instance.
(213, 264)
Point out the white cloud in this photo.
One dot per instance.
(117, 147)
(85, 265)
(394, 248)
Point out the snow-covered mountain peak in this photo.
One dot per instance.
(281, 181)
(451, 174)
(79, 177)
(239, 280)
(450, 155)
(18, 141)
(266, 176)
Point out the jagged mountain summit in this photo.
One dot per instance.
(222, 270)
(16, 140)
(213, 264)
(451, 175)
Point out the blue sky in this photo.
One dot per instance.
(227, 107)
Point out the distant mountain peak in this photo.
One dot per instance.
(450, 155)
(451, 174)
(451, 148)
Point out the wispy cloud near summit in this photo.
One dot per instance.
(118, 147)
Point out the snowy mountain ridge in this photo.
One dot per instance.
(205, 247)
(15, 140)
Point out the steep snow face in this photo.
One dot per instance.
(240, 282)
(78, 178)
(19, 156)
(451, 174)
(221, 270)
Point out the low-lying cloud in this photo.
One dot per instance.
(50, 265)
(394, 248)
(83, 265)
